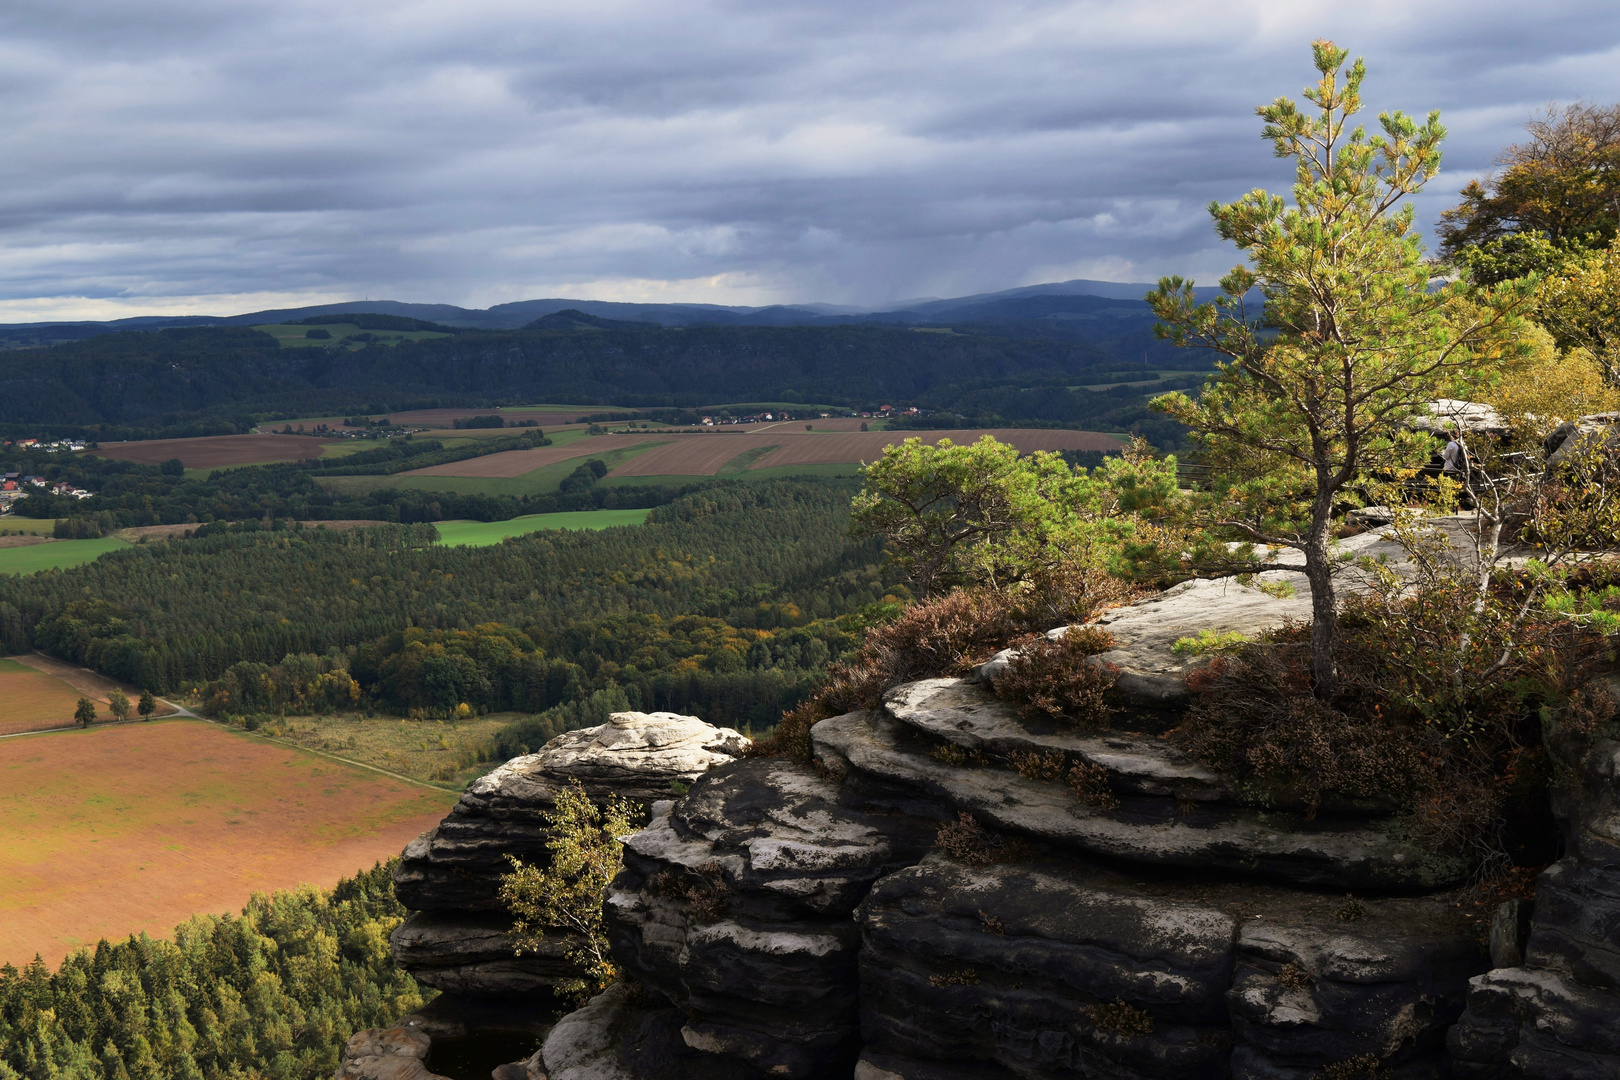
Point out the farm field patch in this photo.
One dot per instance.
(134, 827)
(56, 555)
(484, 533)
(217, 451)
(31, 700)
(12, 523)
(512, 463)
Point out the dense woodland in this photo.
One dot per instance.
(723, 598)
(275, 994)
(210, 380)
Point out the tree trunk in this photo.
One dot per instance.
(1324, 615)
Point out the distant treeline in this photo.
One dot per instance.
(211, 379)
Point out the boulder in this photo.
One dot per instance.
(639, 755)
(735, 904)
(386, 1054)
(891, 768)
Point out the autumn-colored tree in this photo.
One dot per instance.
(585, 843)
(1352, 341)
(1580, 304)
(1558, 192)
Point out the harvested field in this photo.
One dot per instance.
(116, 830)
(217, 451)
(91, 684)
(706, 454)
(28, 540)
(703, 455)
(517, 462)
(31, 700)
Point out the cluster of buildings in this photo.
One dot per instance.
(881, 413)
(53, 445)
(14, 486)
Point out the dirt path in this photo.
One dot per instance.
(94, 686)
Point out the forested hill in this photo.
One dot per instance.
(166, 379)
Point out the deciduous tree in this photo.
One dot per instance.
(85, 714)
(585, 843)
(118, 703)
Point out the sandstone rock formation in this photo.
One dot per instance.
(455, 939)
(1557, 1014)
(394, 1053)
(735, 905)
(1151, 919)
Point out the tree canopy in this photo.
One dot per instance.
(1352, 341)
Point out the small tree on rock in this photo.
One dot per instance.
(586, 852)
(1352, 341)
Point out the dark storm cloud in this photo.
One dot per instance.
(191, 155)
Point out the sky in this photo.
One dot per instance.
(212, 157)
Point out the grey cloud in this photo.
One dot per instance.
(161, 154)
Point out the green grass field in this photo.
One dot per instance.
(57, 555)
(297, 337)
(484, 533)
(11, 523)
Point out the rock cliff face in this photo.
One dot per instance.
(1552, 1007)
(455, 940)
(957, 893)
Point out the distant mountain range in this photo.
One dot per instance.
(1059, 310)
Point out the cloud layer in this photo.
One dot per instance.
(192, 156)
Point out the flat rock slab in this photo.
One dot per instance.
(969, 715)
(639, 755)
(1282, 846)
(1152, 675)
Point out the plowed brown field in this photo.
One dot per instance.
(116, 830)
(698, 455)
(214, 451)
(518, 462)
